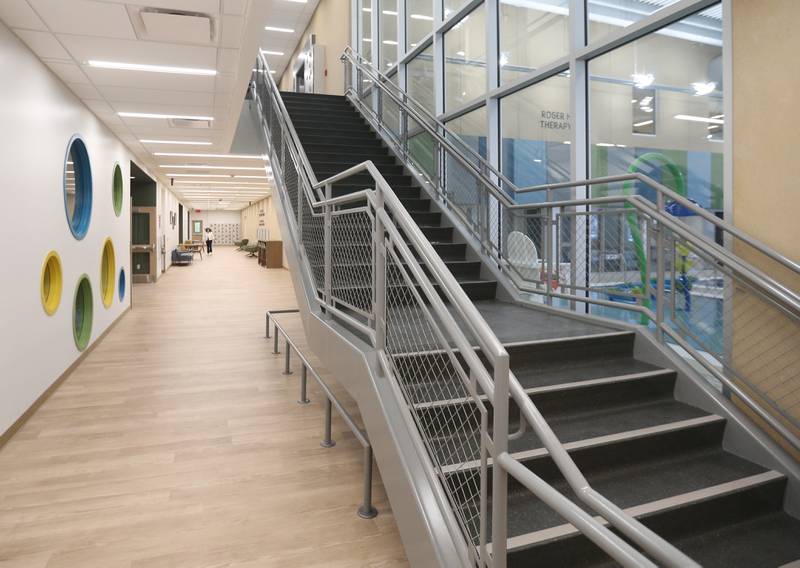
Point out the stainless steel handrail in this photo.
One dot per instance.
(494, 350)
(366, 509)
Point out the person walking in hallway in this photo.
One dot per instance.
(209, 240)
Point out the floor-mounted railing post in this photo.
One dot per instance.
(275, 349)
(327, 441)
(303, 385)
(499, 475)
(366, 510)
(266, 330)
(328, 247)
(287, 367)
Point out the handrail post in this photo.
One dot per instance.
(379, 291)
(303, 385)
(287, 367)
(547, 261)
(366, 510)
(327, 441)
(328, 248)
(499, 474)
(267, 326)
(275, 348)
(660, 293)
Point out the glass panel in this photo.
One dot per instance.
(535, 128)
(465, 59)
(140, 228)
(452, 6)
(420, 79)
(675, 81)
(531, 35)
(388, 19)
(419, 20)
(471, 128)
(366, 29)
(606, 16)
(390, 110)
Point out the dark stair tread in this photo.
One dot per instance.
(658, 476)
(531, 376)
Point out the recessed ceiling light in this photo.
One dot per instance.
(298, 1)
(643, 123)
(389, 42)
(157, 115)
(367, 39)
(267, 52)
(366, 9)
(191, 155)
(389, 12)
(421, 17)
(150, 68)
(178, 142)
(203, 167)
(702, 89)
(201, 182)
(199, 175)
(281, 30)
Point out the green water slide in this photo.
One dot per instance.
(678, 185)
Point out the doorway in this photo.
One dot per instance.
(181, 234)
(300, 79)
(143, 229)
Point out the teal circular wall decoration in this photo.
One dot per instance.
(78, 187)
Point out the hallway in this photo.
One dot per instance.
(177, 442)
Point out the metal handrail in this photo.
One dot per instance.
(622, 551)
(424, 118)
(365, 510)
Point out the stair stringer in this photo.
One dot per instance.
(426, 523)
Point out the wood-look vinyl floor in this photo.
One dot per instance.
(178, 443)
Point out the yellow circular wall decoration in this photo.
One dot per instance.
(51, 283)
(108, 273)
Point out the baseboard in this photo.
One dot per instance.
(20, 422)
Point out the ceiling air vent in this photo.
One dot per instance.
(175, 26)
(189, 123)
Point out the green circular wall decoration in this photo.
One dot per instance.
(117, 189)
(82, 311)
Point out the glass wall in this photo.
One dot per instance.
(419, 21)
(606, 16)
(388, 22)
(365, 27)
(531, 35)
(465, 59)
(535, 134)
(420, 79)
(472, 129)
(655, 107)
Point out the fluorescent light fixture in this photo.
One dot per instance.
(204, 167)
(367, 39)
(191, 155)
(201, 182)
(253, 177)
(298, 1)
(268, 52)
(389, 42)
(166, 116)
(280, 30)
(421, 17)
(643, 123)
(643, 80)
(199, 175)
(389, 12)
(178, 142)
(151, 68)
(567, 142)
(692, 118)
(366, 9)
(503, 59)
(702, 89)
(604, 144)
(621, 145)
(537, 160)
(272, 72)
(460, 53)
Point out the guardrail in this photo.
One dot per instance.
(366, 509)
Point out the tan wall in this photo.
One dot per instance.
(261, 214)
(766, 201)
(331, 24)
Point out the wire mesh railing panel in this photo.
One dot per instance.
(312, 236)
(352, 257)
(428, 369)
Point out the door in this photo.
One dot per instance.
(181, 234)
(143, 249)
(197, 230)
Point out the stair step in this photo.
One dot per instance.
(437, 234)
(416, 205)
(349, 159)
(312, 97)
(364, 150)
(295, 106)
(739, 524)
(311, 138)
(389, 169)
(425, 217)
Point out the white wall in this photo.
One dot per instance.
(38, 116)
(167, 234)
(226, 224)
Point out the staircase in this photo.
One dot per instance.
(642, 432)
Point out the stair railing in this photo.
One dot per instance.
(614, 256)
(371, 268)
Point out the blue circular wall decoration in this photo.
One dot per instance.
(78, 187)
(121, 284)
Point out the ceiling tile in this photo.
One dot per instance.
(68, 72)
(203, 6)
(232, 31)
(84, 48)
(43, 44)
(156, 96)
(112, 77)
(85, 92)
(85, 17)
(19, 14)
(235, 7)
(101, 107)
(227, 60)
